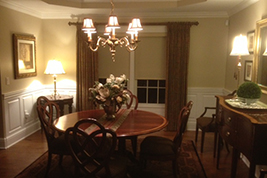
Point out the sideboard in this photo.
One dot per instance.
(245, 130)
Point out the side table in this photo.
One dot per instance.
(61, 101)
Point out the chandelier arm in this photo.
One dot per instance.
(100, 41)
(129, 46)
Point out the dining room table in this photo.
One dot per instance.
(127, 122)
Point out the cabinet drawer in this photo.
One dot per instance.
(229, 118)
(228, 134)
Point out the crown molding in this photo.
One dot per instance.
(63, 14)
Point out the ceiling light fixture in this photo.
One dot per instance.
(112, 41)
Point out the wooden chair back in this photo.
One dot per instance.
(182, 123)
(47, 113)
(91, 151)
(133, 99)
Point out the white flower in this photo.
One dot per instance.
(104, 92)
(108, 80)
(123, 76)
(119, 99)
(98, 97)
(111, 77)
(119, 80)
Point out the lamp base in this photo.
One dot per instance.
(55, 96)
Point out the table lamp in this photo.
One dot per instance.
(54, 67)
(240, 48)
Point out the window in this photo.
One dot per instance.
(151, 91)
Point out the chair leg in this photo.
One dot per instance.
(134, 144)
(60, 160)
(175, 168)
(215, 143)
(202, 140)
(196, 133)
(48, 164)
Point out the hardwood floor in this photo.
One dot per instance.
(14, 159)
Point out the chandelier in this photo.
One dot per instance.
(112, 41)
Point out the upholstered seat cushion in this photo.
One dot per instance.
(159, 146)
(204, 123)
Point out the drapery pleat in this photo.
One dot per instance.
(178, 40)
(87, 72)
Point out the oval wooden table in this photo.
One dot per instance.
(127, 122)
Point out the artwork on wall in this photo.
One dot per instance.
(24, 48)
(250, 38)
(248, 71)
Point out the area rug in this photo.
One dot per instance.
(190, 166)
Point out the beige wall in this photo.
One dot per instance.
(15, 22)
(59, 41)
(241, 23)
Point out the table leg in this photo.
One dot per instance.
(235, 157)
(70, 108)
(252, 169)
(218, 151)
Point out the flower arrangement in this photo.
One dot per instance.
(112, 92)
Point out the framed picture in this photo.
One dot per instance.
(248, 71)
(250, 38)
(24, 48)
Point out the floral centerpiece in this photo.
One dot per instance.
(111, 95)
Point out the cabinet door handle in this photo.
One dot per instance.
(229, 119)
(228, 134)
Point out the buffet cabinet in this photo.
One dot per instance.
(245, 129)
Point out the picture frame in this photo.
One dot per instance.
(248, 71)
(24, 49)
(250, 40)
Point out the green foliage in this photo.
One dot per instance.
(249, 90)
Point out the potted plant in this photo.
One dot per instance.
(249, 92)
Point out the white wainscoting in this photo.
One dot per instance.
(201, 98)
(20, 116)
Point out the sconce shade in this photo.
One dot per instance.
(54, 67)
(240, 47)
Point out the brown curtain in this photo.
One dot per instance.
(178, 40)
(87, 71)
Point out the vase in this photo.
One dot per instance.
(110, 110)
(248, 101)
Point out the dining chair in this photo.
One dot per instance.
(163, 149)
(133, 101)
(206, 123)
(55, 140)
(92, 149)
(263, 172)
(41, 100)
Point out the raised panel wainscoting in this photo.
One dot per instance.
(20, 116)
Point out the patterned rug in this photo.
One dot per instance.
(190, 166)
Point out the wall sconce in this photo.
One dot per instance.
(54, 67)
(240, 48)
(265, 52)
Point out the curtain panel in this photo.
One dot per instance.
(178, 43)
(87, 71)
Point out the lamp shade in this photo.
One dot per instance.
(240, 47)
(54, 67)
